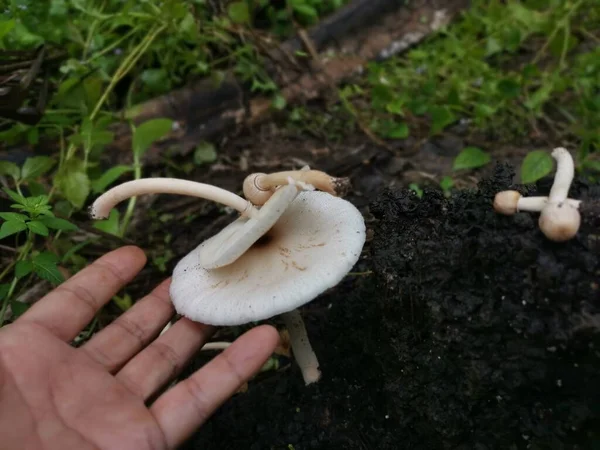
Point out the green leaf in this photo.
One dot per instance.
(305, 10)
(36, 188)
(15, 196)
(110, 225)
(238, 12)
(205, 153)
(400, 130)
(536, 165)
(45, 266)
(109, 177)
(11, 227)
(441, 117)
(23, 268)
(10, 169)
(124, 303)
(539, 97)
(58, 224)
(36, 166)
(73, 183)
(509, 88)
(446, 183)
(38, 228)
(14, 217)
(279, 102)
(4, 289)
(148, 133)
(471, 158)
(5, 27)
(18, 308)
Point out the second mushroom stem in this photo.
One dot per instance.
(303, 352)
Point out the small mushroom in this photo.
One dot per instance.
(559, 216)
(311, 247)
(258, 187)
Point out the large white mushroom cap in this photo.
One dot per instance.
(313, 245)
(237, 237)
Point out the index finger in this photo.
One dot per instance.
(183, 408)
(71, 306)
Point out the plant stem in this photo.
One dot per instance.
(137, 174)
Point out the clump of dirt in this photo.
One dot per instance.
(473, 331)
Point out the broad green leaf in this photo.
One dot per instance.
(58, 224)
(238, 12)
(536, 165)
(306, 10)
(205, 153)
(10, 169)
(110, 225)
(5, 27)
(441, 117)
(471, 158)
(23, 268)
(4, 288)
(18, 308)
(36, 166)
(109, 177)
(11, 227)
(45, 266)
(73, 183)
(38, 228)
(15, 196)
(14, 217)
(148, 133)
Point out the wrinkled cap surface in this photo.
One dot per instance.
(312, 246)
(237, 237)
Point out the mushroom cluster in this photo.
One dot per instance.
(291, 243)
(559, 215)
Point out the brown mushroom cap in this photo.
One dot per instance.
(559, 221)
(506, 202)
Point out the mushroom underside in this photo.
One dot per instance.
(312, 246)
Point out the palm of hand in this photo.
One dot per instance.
(53, 395)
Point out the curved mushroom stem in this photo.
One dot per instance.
(320, 180)
(215, 346)
(303, 352)
(100, 209)
(536, 204)
(565, 171)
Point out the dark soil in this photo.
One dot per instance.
(472, 332)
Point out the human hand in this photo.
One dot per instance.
(55, 396)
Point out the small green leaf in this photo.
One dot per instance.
(238, 12)
(416, 189)
(471, 158)
(110, 225)
(148, 133)
(446, 183)
(38, 228)
(10, 169)
(399, 131)
(36, 166)
(11, 227)
(509, 88)
(18, 308)
(109, 177)
(58, 224)
(15, 196)
(73, 183)
(536, 165)
(45, 266)
(305, 10)
(124, 303)
(279, 102)
(23, 268)
(4, 288)
(15, 217)
(441, 117)
(204, 153)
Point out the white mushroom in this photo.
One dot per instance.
(559, 216)
(234, 239)
(258, 187)
(559, 220)
(314, 244)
